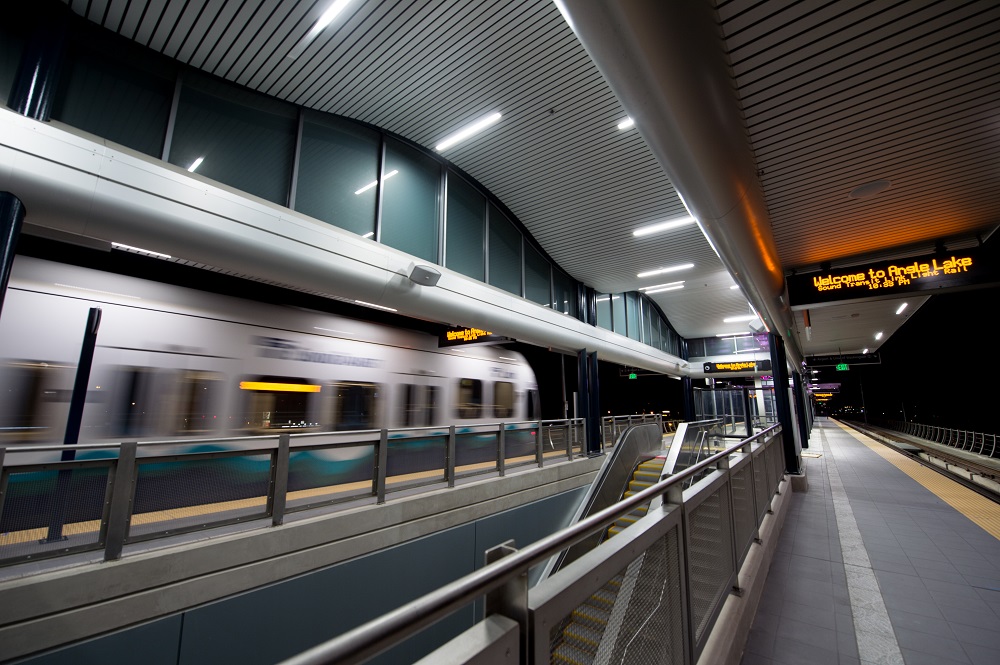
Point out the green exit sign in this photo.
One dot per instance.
(842, 367)
(633, 375)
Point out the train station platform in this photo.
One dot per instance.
(881, 560)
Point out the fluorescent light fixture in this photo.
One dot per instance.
(748, 350)
(662, 226)
(505, 358)
(650, 291)
(368, 235)
(661, 286)
(607, 299)
(737, 319)
(372, 184)
(195, 164)
(864, 351)
(739, 334)
(815, 371)
(660, 271)
(369, 304)
(878, 335)
(467, 131)
(118, 245)
(325, 19)
(342, 332)
(734, 287)
(626, 123)
(901, 308)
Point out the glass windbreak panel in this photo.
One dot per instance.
(604, 310)
(696, 347)
(565, 294)
(655, 328)
(618, 311)
(647, 322)
(244, 139)
(466, 235)
(632, 314)
(505, 253)
(11, 44)
(338, 173)
(120, 96)
(537, 277)
(410, 201)
(747, 343)
(718, 346)
(470, 398)
(503, 399)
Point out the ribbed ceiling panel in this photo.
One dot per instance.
(839, 94)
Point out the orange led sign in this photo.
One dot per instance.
(462, 336)
(890, 277)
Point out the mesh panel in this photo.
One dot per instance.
(760, 485)
(476, 452)
(710, 564)
(322, 475)
(744, 519)
(635, 618)
(194, 494)
(778, 462)
(48, 512)
(519, 446)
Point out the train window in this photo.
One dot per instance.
(279, 402)
(470, 398)
(34, 398)
(419, 403)
(134, 404)
(355, 406)
(197, 395)
(503, 399)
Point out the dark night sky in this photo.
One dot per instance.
(936, 366)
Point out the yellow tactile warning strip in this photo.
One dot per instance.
(977, 508)
(92, 526)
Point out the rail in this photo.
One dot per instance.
(59, 500)
(730, 502)
(613, 426)
(967, 440)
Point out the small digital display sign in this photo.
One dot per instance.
(465, 336)
(738, 366)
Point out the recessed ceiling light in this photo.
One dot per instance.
(369, 304)
(467, 131)
(739, 334)
(661, 290)
(195, 164)
(140, 250)
(325, 19)
(870, 189)
(878, 335)
(900, 309)
(661, 286)
(662, 226)
(734, 287)
(864, 351)
(626, 123)
(660, 271)
(737, 319)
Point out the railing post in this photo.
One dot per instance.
(502, 451)
(121, 497)
(450, 457)
(279, 480)
(381, 464)
(539, 444)
(571, 427)
(510, 599)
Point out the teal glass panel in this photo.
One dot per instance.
(505, 253)
(537, 276)
(565, 294)
(246, 140)
(647, 322)
(655, 341)
(338, 173)
(604, 310)
(465, 243)
(411, 201)
(632, 314)
(122, 95)
(618, 311)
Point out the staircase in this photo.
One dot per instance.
(585, 628)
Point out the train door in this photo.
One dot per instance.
(34, 401)
(355, 405)
(419, 405)
(280, 403)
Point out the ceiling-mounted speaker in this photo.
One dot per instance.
(425, 275)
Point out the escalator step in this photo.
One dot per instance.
(566, 653)
(583, 637)
(604, 597)
(589, 615)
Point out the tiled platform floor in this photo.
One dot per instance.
(872, 567)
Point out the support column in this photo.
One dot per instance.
(11, 218)
(594, 406)
(801, 408)
(688, 388)
(782, 403)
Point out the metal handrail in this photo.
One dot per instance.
(970, 441)
(370, 639)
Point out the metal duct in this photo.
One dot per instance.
(667, 65)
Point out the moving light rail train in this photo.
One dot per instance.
(192, 368)
(173, 362)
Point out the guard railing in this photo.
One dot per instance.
(970, 441)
